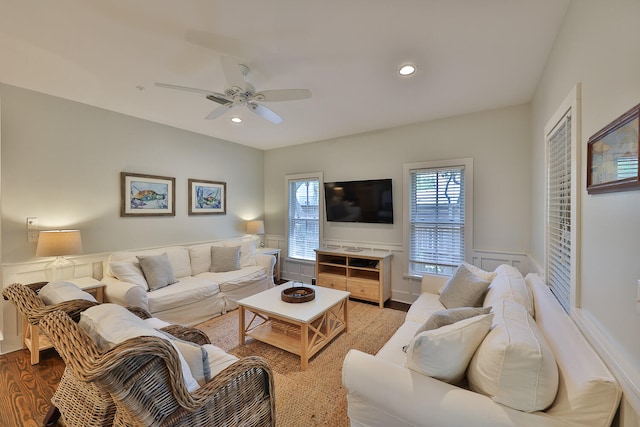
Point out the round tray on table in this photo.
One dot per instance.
(296, 294)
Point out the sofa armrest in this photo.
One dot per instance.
(432, 283)
(382, 393)
(125, 293)
(268, 262)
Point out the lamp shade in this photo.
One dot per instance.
(58, 243)
(255, 227)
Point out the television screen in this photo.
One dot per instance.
(368, 201)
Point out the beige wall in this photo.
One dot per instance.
(61, 162)
(598, 46)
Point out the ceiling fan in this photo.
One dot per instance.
(239, 92)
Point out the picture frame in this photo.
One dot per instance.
(207, 197)
(147, 195)
(613, 156)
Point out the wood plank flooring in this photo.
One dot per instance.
(25, 389)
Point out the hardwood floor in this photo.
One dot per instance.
(25, 389)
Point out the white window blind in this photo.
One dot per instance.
(559, 211)
(304, 217)
(436, 220)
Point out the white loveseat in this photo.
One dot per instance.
(202, 288)
(383, 391)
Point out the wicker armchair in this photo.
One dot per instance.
(144, 378)
(80, 403)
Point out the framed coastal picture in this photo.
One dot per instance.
(147, 195)
(207, 197)
(612, 157)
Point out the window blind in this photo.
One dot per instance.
(304, 218)
(436, 220)
(559, 211)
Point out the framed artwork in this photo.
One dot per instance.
(147, 195)
(612, 157)
(207, 197)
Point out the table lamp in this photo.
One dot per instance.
(256, 227)
(59, 243)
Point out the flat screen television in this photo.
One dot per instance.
(369, 201)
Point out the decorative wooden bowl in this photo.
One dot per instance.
(298, 294)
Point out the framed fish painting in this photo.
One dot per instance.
(147, 195)
(207, 197)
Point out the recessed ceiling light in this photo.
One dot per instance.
(236, 119)
(407, 70)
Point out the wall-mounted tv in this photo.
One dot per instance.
(368, 201)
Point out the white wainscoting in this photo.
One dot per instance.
(403, 288)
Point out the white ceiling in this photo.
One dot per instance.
(471, 55)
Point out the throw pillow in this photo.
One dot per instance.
(225, 258)
(451, 315)
(129, 272)
(111, 324)
(485, 275)
(514, 365)
(464, 289)
(157, 271)
(444, 353)
(57, 292)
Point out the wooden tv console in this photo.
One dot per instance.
(366, 274)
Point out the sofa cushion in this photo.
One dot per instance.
(444, 353)
(188, 290)
(111, 324)
(451, 315)
(226, 258)
(157, 271)
(514, 365)
(129, 272)
(464, 289)
(423, 307)
(484, 275)
(247, 251)
(59, 291)
(509, 284)
(178, 257)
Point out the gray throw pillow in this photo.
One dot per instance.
(157, 271)
(225, 258)
(464, 289)
(451, 315)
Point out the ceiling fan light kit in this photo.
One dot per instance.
(240, 93)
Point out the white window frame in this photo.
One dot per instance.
(570, 106)
(302, 177)
(467, 163)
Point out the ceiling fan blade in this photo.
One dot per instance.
(233, 74)
(265, 113)
(220, 111)
(187, 89)
(220, 99)
(283, 95)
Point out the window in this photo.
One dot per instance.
(303, 219)
(562, 189)
(438, 232)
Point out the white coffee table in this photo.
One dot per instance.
(299, 328)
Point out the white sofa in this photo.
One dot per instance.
(200, 293)
(383, 391)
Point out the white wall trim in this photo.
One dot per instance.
(628, 376)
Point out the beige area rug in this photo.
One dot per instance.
(316, 396)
